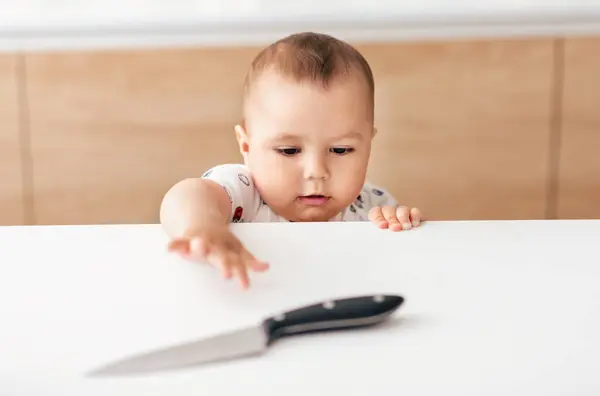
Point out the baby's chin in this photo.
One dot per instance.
(309, 219)
(301, 211)
(313, 215)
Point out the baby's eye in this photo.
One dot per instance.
(288, 151)
(342, 150)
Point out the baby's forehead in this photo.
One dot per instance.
(273, 80)
(302, 135)
(285, 105)
(274, 90)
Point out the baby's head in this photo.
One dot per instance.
(308, 125)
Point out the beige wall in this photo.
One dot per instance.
(11, 183)
(579, 178)
(468, 129)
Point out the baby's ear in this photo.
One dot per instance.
(374, 131)
(242, 138)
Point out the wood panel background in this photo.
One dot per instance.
(579, 181)
(112, 131)
(464, 128)
(11, 188)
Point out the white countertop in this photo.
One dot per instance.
(492, 308)
(54, 24)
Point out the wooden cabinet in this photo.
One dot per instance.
(464, 126)
(579, 171)
(11, 183)
(111, 132)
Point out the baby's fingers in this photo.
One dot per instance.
(181, 246)
(252, 263)
(391, 215)
(376, 217)
(231, 265)
(223, 262)
(195, 248)
(403, 214)
(199, 248)
(240, 270)
(416, 217)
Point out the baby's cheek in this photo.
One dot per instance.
(277, 175)
(351, 174)
(274, 186)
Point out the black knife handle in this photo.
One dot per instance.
(337, 314)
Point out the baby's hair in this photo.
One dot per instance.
(314, 57)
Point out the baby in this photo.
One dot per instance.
(308, 122)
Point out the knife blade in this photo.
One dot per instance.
(336, 314)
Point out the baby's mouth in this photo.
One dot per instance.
(314, 199)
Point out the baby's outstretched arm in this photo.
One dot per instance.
(195, 214)
(192, 204)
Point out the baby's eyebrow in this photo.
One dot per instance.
(351, 135)
(290, 137)
(285, 137)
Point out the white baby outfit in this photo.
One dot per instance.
(248, 206)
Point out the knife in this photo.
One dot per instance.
(337, 314)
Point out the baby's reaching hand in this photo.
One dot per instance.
(221, 248)
(395, 218)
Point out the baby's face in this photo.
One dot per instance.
(308, 148)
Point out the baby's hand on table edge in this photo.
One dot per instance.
(396, 218)
(220, 248)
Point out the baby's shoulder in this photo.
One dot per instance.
(372, 195)
(236, 180)
(238, 172)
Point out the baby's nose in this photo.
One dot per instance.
(315, 168)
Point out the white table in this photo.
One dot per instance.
(492, 308)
